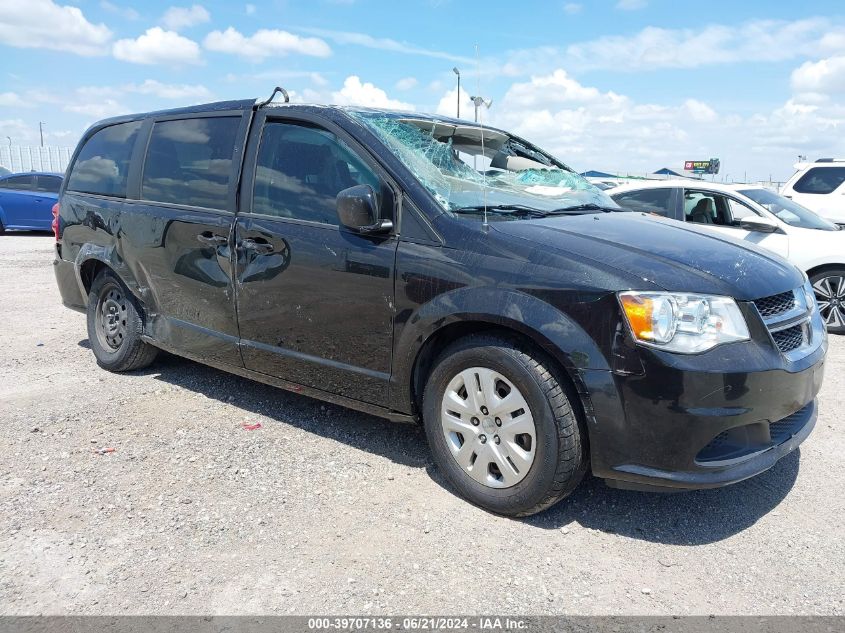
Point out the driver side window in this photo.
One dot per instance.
(301, 169)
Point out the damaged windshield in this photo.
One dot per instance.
(467, 168)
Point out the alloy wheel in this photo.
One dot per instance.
(488, 427)
(830, 295)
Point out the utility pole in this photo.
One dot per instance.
(41, 131)
(458, 73)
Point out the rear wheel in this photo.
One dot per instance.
(829, 287)
(501, 426)
(115, 326)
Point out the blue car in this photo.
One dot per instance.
(26, 200)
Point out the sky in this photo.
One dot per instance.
(625, 86)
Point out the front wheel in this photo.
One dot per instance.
(829, 287)
(501, 426)
(115, 326)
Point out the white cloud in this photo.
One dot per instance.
(127, 13)
(406, 83)
(98, 109)
(590, 128)
(12, 100)
(265, 43)
(448, 104)
(384, 44)
(366, 94)
(170, 91)
(178, 18)
(631, 5)
(654, 48)
(158, 46)
(826, 76)
(45, 24)
(573, 8)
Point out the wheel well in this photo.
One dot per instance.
(446, 336)
(88, 272)
(823, 268)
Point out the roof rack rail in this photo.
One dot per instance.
(830, 160)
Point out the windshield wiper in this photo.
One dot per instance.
(579, 208)
(514, 209)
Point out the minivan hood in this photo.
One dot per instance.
(662, 252)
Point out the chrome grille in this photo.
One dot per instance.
(776, 304)
(789, 339)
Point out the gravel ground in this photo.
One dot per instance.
(325, 510)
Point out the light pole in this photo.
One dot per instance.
(478, 102)
(458, 73)
(41, 131)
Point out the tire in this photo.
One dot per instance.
(115, 326)
(2, 229)
(829, 286)
(556, 453)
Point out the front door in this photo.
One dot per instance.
(314, 300)
(722, 214)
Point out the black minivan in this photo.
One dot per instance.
(429, 269)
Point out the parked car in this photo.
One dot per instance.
(819, 186)
(26, 200)
(759, 216)
(356, 256)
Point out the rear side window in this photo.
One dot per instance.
(189, 161)
(102, 166)
(820, 180)
(300, 171)
(648, 201)
(48, 184)
(21, 183)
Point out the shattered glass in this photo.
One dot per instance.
(441, 154)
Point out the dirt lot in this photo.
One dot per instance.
(325, 510)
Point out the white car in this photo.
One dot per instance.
(820, 187)
(759, 216)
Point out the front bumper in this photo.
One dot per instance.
(685, 425)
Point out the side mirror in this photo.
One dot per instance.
(759, 224)
(357, 210)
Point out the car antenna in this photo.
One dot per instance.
(276, 91)
(484, 224)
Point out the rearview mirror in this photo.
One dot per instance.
(357, 210)
(759, 224)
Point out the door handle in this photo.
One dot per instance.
(259, 247)
(209, 238)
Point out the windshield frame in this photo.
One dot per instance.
(452, 182)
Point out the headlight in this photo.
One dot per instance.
(684, 323)
(810, 296)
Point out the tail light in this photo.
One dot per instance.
(55, 223)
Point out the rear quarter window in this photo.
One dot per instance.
(820, 180)
(102, 166)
